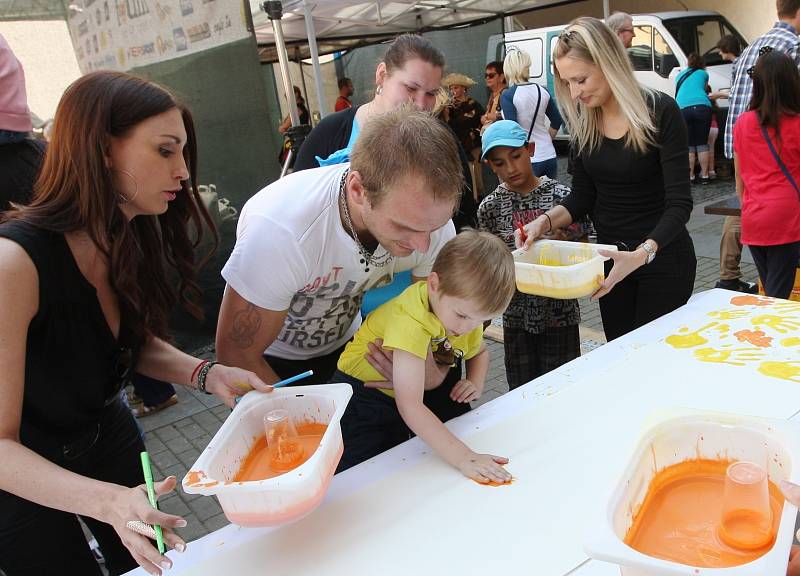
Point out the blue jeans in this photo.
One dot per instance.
(547, 168)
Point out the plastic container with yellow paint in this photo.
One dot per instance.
(559, 269)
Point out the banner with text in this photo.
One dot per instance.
(125, 34)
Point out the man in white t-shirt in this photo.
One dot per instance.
(309, 245)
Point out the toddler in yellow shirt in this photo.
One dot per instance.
(428, 327)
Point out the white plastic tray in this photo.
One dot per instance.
(579, 273)
(686, 435)
(284, 498)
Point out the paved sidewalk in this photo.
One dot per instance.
(176, 436)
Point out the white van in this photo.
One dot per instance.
(659, 52)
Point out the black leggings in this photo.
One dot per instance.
(38, 541)
(651, 290)
(777, 266)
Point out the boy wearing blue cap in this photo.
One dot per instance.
(539, 334)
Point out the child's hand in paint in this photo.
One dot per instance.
(485, 468)
(465, 391)
(792, 493)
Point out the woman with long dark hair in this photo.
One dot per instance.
(767, 156)
(85, 294)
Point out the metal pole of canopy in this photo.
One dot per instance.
(312, 46)
(606, 9)
(274, 10)
(298, 132)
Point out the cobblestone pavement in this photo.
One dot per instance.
(176, 436)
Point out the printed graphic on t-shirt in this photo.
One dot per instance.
(322, 313)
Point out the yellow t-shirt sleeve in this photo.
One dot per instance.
(405, 333)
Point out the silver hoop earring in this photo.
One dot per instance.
(121, 198)
(379, 90)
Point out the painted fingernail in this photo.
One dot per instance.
(166, 565)
(180, 523)
(180, 547)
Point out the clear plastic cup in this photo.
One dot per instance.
(283, 442)
(746, 521)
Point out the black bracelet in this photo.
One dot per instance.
(201, 376)
(546, 215)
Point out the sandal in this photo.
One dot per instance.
(141, 410)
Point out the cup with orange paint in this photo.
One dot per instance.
(283, 442)
(746, 521)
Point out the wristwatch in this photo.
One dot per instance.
(650, 249)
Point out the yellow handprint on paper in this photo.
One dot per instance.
(785, 370)
(786, 306)
(790, 342)
(689, 339)
(735, 357)
(780, 324)
(729, 314)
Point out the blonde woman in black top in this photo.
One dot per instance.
(630, 175)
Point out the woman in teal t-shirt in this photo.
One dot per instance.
(691, 95)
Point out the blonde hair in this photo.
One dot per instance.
(517, 66)
(407, 141)
(478, 267)
(589, 40)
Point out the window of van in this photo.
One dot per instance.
(641, 50)
(700, 34)
(535, 49)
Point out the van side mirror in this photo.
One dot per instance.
(665, 63)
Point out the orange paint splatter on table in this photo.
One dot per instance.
(495, 484)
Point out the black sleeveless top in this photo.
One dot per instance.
(74, 367)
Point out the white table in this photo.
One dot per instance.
(568, 435)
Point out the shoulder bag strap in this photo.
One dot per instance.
(682, 80)
(782, 166)
(536, 113)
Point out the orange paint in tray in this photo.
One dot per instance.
(681, 520)
(258, 465)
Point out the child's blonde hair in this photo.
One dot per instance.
(478, 267)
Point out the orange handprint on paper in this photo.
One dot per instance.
(785, 370)
(754, 337)
(780, 324)
(752, 300)
(735, 357)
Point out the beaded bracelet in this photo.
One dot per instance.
(197, 369)
(201, 376)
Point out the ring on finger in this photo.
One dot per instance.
(141, 528)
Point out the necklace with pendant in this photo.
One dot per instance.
(368, 257)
